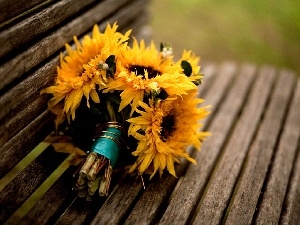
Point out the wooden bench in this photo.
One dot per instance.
(247, 172)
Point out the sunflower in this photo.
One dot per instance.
(159, 130)
(190, 65)
(85, 69)
(144, 68)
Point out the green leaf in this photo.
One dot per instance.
(111, 62)
(161, 46)
(162, 94)
(197, 82)
(114, 98)
(187, 68)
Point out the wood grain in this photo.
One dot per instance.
(81, 211)
(259, 157)
(277, 184)
(21, 144)
(49, 208)
(214, 202)
(36, 25)
(10, 9)
(17, 191)
(291, 207)
(120, 202)
(19, 118)
(13, 101)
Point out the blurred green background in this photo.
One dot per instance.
(257, 31)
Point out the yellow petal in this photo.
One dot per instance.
(170, 165)
(94, 95)
(75, 98)
(86, 91)
(146, 162)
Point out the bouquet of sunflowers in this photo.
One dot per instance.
(112, 100)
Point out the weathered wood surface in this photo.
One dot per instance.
(228, 167)
(10, 11)
(278, 181)
(17, 191)
(36, 25)
(247, 171)
(256, 166)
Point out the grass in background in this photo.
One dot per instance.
(262, 32)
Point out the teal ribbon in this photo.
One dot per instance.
(109, 144)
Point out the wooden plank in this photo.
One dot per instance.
(17, 191)
(186, 197)
(209, 70)
(40, 50)
(251, 180)
(120, 202)
(10, 9)
(291, 207)
(81, 211)
(60, 193)
(21, 117)
(14, 99)
(19, 146)
(213, 204)
(36, 25)
(274, 193)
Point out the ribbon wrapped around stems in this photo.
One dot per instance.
(96, 171)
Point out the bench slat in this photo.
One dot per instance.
(23, 94)
(9, 10)
(19, 146)
(259, 156)
(291, 207)
(17, 191)
(60, 194)
(18, 120)
(213, 204)
(34, 26)
(209, 71)
(120, 202)
(274, 193)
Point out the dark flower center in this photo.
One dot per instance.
(140, 70)
(168, 127)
